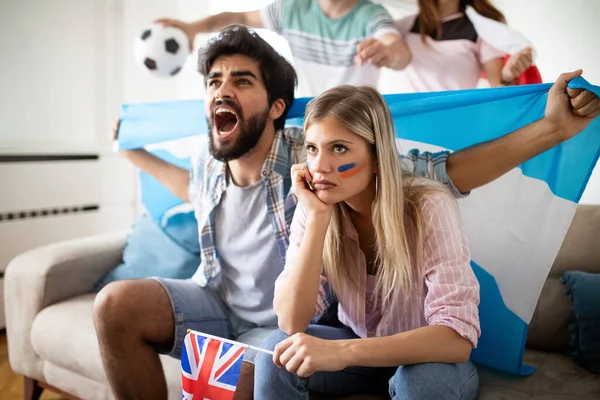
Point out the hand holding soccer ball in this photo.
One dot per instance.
(162, 50)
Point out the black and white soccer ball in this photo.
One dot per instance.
(162, 50)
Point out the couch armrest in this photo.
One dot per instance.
(47, 275)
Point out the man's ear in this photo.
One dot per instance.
(277, 109)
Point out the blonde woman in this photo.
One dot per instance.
(391, 249)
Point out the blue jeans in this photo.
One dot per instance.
(412, 382)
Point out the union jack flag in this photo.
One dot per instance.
(210, 367)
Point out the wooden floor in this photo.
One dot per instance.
(11, 385)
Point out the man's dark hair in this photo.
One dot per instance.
(277, 73)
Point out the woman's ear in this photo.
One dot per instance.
(277, 109)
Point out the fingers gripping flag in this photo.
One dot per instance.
(210, 367)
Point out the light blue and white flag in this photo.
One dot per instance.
(515, 225)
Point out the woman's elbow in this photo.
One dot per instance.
(290, 327)
(287, 321)
(463, 351)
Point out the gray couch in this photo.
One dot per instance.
(52, 341)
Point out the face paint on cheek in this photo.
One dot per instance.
(349, 170)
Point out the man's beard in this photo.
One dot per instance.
(249, 133)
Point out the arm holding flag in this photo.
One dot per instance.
(499, 73)
(214, 23)
(568, 112)
(174, 178)
(466, 169)
(516, 65)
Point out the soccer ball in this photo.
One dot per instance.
(161, 50)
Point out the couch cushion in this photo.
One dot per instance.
(64, 335)
(579, 251)
(556, 378)
(172, 368)
(553, 313)
(75, 384)
(585, 294)
(154, 251)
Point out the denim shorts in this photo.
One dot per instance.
(201, 309)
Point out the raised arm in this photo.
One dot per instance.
(499, 73)
(385, 46)
(214, 23)
(299, 293)
(566, 115)
(174, 178)
(387, 51)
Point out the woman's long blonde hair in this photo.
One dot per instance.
(397, 207)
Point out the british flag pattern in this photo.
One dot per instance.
(210, 367)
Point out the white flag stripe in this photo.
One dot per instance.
(516, 241)
(514, 238)
(232, 342)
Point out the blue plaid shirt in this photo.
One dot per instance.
(208, 181)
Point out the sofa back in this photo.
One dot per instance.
(580, 251)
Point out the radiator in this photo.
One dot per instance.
(46, 199)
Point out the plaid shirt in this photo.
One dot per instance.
(208, 181)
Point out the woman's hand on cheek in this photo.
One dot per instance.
(301, 178)
(304, 355)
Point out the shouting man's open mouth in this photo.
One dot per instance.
(225, 120)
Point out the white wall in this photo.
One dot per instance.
(565, 33)
(60, 84)
(54, 58)
(138, 84)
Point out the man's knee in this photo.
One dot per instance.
(433, 381)
(110, 304)
(122, 305)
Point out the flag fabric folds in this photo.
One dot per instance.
(210, 367)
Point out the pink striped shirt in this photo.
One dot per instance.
(450, 290)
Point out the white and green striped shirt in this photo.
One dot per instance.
(324, 48)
